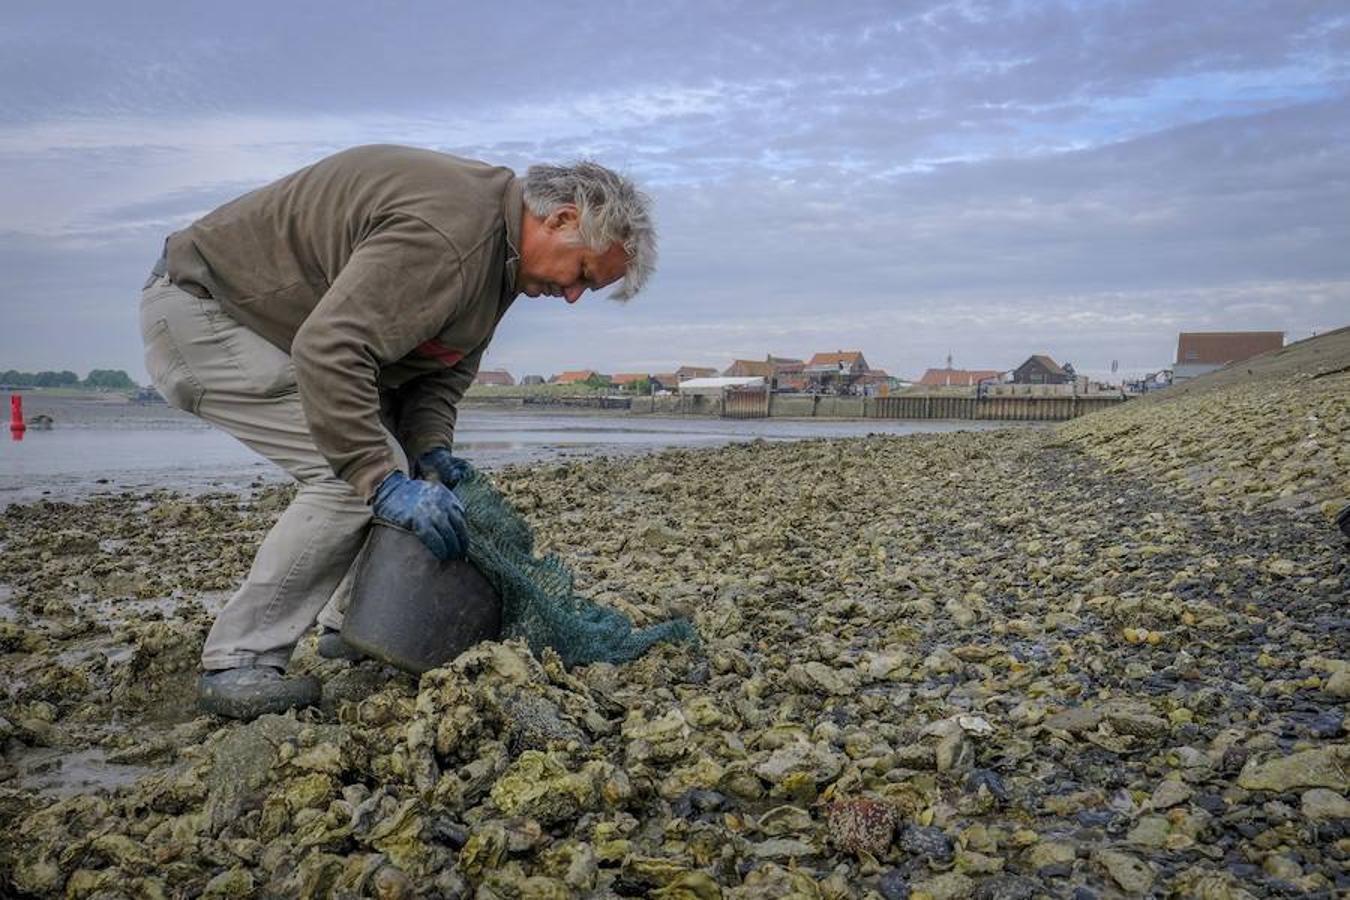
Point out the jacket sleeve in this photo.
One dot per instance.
(398, 289)
(428, 405)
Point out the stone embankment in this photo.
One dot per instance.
(1104, 661)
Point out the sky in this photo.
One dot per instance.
(912, 179)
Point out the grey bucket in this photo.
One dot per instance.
(413, 611)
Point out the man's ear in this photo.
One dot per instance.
(564, 218)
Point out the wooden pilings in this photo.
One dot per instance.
(1007, 409)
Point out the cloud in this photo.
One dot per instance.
(985, 178)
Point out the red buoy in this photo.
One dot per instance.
(16, 423)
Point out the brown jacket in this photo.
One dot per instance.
(378, 269)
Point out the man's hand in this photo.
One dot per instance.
(430, 511)
(448, 467)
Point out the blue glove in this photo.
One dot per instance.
(428, 510)
(448, 467)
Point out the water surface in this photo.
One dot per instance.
(99, 447)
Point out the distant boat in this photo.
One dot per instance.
(147, 396)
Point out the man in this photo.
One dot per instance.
(331, 321)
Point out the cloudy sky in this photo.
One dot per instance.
(910, 178)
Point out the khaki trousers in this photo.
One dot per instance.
(206, 363)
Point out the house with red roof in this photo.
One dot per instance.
(950, 377)
(494, 378)
(836, 372)
(580, 376)
(630, 381)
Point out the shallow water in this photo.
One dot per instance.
(60, 773)
(100, 447)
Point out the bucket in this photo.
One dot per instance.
(411, 610)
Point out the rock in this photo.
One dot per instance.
(893, 885)
(1323, 767)
(1075, 720)
(927, 842)
(236, 884)
(815, 676)
(947, 886)
(821, 763)
(1137, 723)
(1338, 684)
(1008, 887)
(1149, 831)
(1277, 865)
(1050, 853)
(862, 826)
(656, 535)
(954, 753)
(240, 773)
(782, 848)
(1321, 804)
(1170, 793)
(1129, 872)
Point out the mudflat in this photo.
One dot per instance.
(1109, 658)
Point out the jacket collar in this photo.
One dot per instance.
(513, 209)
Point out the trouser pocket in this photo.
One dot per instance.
(164, 361)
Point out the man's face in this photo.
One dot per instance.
(552, 266)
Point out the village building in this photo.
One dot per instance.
(684, 373)
(580, 376)
(631, 381)
(494, 378)
(1199, 352)
(749, 368)
(666, 381)
(719, 385)
(836, 372)
(949, 377)
(532, 379)
(1041, 369)
(873, 383)
(773, 369)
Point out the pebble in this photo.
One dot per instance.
(1170, 793)
(1321, 804)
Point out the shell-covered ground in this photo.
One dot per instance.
(1099, 661)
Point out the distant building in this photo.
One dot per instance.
(950, 377)
(580, 376)
(494, 378)
(748, 368)
(1199, 352)
(532, 379)
(1041, 369)
(835, 372)
(684, 373)
(716, 386)
(873, 383)
(666, 381)
(629, 381)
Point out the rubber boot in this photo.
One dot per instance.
(249, 692)
(332, 646)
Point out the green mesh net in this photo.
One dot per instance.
(539, 600)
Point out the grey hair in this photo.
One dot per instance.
(611, 210)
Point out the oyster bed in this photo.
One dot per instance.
(1108, 660)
